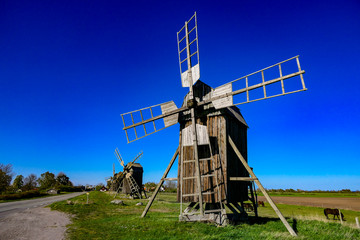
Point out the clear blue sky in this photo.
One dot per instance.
(68, 69)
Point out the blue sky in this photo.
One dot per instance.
(68, 69)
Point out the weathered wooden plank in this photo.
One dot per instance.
(172, 119)
(223, 102)
(195, 73)
(187, 135)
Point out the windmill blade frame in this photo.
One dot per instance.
(169, 114)
(129, 165)
(188, 39)
(118, 156)
(223, 95)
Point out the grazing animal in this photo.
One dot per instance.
(334, 212)
(261, 203)
(248, 207)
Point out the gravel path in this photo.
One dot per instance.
(30, 220)
(34, 224)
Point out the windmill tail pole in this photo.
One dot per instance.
(160, 183)
(271, 202)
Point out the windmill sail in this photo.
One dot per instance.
(117, 154)
(223, 96)
(188, 49)
(129, 165)
(143, 122)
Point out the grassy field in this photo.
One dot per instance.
(309, 194)
(101, 220)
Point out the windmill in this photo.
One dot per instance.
(129, 181)
(212, 167)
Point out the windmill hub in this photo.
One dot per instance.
(191, 103)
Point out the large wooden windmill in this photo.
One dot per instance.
(129, 181)
(212, 165)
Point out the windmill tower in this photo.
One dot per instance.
(212, 165)
(130, 180)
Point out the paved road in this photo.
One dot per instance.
(18, 206)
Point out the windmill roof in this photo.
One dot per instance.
(202, 91)
(235, 112)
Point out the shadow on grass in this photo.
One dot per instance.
(252, 220)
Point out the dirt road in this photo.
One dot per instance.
(341, 203)
(17, 206)
(29, 219)
(34, 224)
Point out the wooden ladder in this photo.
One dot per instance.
(194, 207)
(133, 186)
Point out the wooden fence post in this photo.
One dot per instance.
(357, 222)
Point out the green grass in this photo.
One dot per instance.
(101, 220)
(310, 194)
(308, 213)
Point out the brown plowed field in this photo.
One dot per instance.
(342, 203)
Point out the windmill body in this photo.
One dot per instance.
(136, 171)
(219, 124)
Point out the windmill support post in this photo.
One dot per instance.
(193, 121)
(121, 183)
(160, 183)
(254, 178)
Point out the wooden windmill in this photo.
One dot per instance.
(212, 170)
(129, 181)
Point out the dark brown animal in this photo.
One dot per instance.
(261, 203)
(248, 207)
(334, 212)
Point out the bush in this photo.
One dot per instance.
(22, 195)
(64, 188)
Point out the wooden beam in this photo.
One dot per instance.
(243, 179)
(160, 183)
(193, 123)
(266, 195)
(170, 179)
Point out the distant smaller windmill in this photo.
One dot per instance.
(129, 181)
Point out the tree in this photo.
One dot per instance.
(99, 186)
(170, 185)
(30, 182)
(5, 176)
(62, 179)
(18, 182)
(47, 180)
